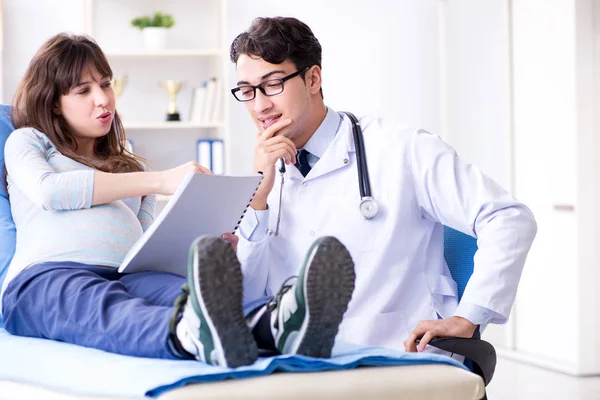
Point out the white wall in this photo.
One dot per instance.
(379, 57)
(545, 139)
(478, 83)
(556, 148)
(27, 24)
(587, 20)
(476, 95)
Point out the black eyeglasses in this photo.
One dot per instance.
(271, 87)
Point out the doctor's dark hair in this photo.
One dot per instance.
(54, 70)
(276, 40)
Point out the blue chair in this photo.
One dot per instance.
(459, 250)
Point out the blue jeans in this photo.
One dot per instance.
(95, 307)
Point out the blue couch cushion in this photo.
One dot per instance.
(7, 226)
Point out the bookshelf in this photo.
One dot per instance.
(196, 52)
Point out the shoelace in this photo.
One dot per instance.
(276, 300)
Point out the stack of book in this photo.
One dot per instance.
(206, 108)
(206, 102)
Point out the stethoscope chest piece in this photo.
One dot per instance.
(368, 207)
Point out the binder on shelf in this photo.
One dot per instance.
(210, 154)
(203, 153)
(218, 162)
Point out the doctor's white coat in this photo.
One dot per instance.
(420, 184)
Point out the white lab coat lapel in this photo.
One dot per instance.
(336, 156)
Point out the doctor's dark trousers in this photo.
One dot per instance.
(95, 307)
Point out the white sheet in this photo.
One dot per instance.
(75, 369)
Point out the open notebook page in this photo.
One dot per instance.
(202, 205)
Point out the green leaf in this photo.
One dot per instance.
(158, 19)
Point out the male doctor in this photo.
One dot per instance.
(404, 290)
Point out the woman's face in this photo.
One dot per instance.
(89, 109)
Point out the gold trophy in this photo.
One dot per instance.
(172, 87)
(119, 85)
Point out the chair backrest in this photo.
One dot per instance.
(459, 250)
(8, 234)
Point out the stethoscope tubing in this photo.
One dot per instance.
(364, 183)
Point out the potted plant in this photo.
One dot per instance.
(154, 28)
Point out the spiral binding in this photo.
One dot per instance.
(248, 205)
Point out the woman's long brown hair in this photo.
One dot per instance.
(55, 69)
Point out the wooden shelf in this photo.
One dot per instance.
(172, 125)
(165, 53)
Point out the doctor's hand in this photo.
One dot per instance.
(269, 148)
(169, 180)
(429, 329)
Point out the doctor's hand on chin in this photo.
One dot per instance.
(429, 329)
(269, 148)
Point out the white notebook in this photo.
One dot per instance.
(202, 205)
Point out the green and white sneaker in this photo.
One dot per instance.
(305, 316)
(212, 328)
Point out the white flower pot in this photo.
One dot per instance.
(155, 38)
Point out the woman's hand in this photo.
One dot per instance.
(232, 239)
(170, 179)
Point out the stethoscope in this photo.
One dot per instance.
(368, 206)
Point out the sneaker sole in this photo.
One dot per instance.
(222, 289)
(330, 267)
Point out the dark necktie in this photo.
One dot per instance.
(302, 162)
